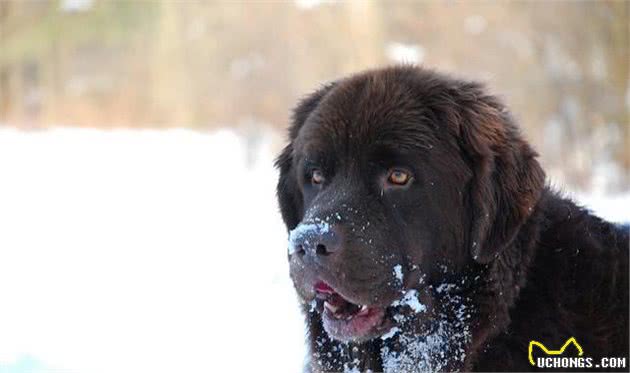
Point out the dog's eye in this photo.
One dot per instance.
(317, 176)
(398, 177)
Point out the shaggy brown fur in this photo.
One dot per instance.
(462, 265)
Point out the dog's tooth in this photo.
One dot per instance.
(364, 310)
(330, 307)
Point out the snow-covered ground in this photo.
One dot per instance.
(142, 251)
(148, 251)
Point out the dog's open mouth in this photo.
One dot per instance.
(344, 320)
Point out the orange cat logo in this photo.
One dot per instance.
(553, 352)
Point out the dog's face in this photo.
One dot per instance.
(379, 196)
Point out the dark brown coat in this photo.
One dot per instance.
(495, 258)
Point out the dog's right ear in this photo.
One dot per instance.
(288, 190)
(508, 180)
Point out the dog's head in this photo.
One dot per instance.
(392, 180)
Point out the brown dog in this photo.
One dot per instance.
(423, 238)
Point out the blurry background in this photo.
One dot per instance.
(139, 229)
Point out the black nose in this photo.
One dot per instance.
(314, 239)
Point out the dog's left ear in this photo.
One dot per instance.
(508, 180)
(288, 191)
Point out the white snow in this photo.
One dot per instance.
(613, 208)
(306, 228)
(150, 251)
(353, 369)
(443, 343)
(411, 299)
(445, 287)
(392, 332)
(398, 272)
(427, 354)
(142, 251)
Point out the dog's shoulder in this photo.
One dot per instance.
(576, 286)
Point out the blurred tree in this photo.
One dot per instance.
(561, 66)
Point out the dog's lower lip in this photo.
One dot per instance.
(345, 320)
(360, 326)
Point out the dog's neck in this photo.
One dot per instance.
(433, 342)
(501, 282)
(468, 313)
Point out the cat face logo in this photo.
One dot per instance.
(553, 352)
